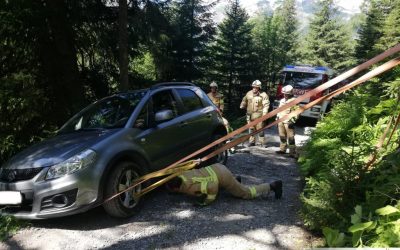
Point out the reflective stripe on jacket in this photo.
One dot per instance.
(198, 182)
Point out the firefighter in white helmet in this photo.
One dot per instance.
(286, 127)
(216, 97)
(204, 184)
(257, 104)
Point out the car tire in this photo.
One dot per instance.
(222, 157)
(121, 177)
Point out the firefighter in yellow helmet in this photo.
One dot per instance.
(204, 184)
(216, 97)
(286, 128)
(257, 104)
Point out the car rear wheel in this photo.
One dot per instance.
(122, 177)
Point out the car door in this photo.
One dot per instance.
(197, 120)
(162, 142)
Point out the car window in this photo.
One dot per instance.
(112, 112)
(190, 100)
(164, 100)
(142, 121)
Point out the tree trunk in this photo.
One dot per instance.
(123, 45)
(59, 61)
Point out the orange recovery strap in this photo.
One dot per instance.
(182, 165)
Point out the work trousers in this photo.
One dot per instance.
(230, 184)
(260, 125)
(208, 182)
(286, 136)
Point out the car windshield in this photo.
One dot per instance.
(112, 112)
(302, 80)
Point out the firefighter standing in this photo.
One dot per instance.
(204, 184)
(286, 128)
(218, 100)
(216, 97)
(257, 104)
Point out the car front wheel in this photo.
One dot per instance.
(122, 177)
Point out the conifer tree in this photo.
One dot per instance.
(232, 51)
(328, 43)
(372, 29)
(194, 28)
(266, 47)
(391, 29)
(286, 24)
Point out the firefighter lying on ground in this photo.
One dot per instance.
(204, 184)
(286, 128)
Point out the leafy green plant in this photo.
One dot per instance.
(381, 229)
(8, 226)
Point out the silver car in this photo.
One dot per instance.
(103, 148)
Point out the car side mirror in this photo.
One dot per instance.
(164, 115)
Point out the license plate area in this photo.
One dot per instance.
(10, 198)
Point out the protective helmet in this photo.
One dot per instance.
(256, 83)
(213, 84)
(288, 90)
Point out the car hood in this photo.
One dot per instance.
(57, 149)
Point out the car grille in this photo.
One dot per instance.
(14, 175)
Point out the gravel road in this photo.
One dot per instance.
(171, 221)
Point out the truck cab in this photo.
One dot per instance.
(304, 79)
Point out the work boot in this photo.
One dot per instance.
(276, 186)
(239, 178)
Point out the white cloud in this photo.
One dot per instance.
(350, 5)
(353, 5)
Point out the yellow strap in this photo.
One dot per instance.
(253, 192)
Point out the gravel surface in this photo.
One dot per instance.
(171, 221)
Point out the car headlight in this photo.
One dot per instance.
(71, 165)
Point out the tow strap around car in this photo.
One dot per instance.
(182, 165)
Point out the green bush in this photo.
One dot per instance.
(22, 108)
(334, 165)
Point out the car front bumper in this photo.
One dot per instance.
(41, 199)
